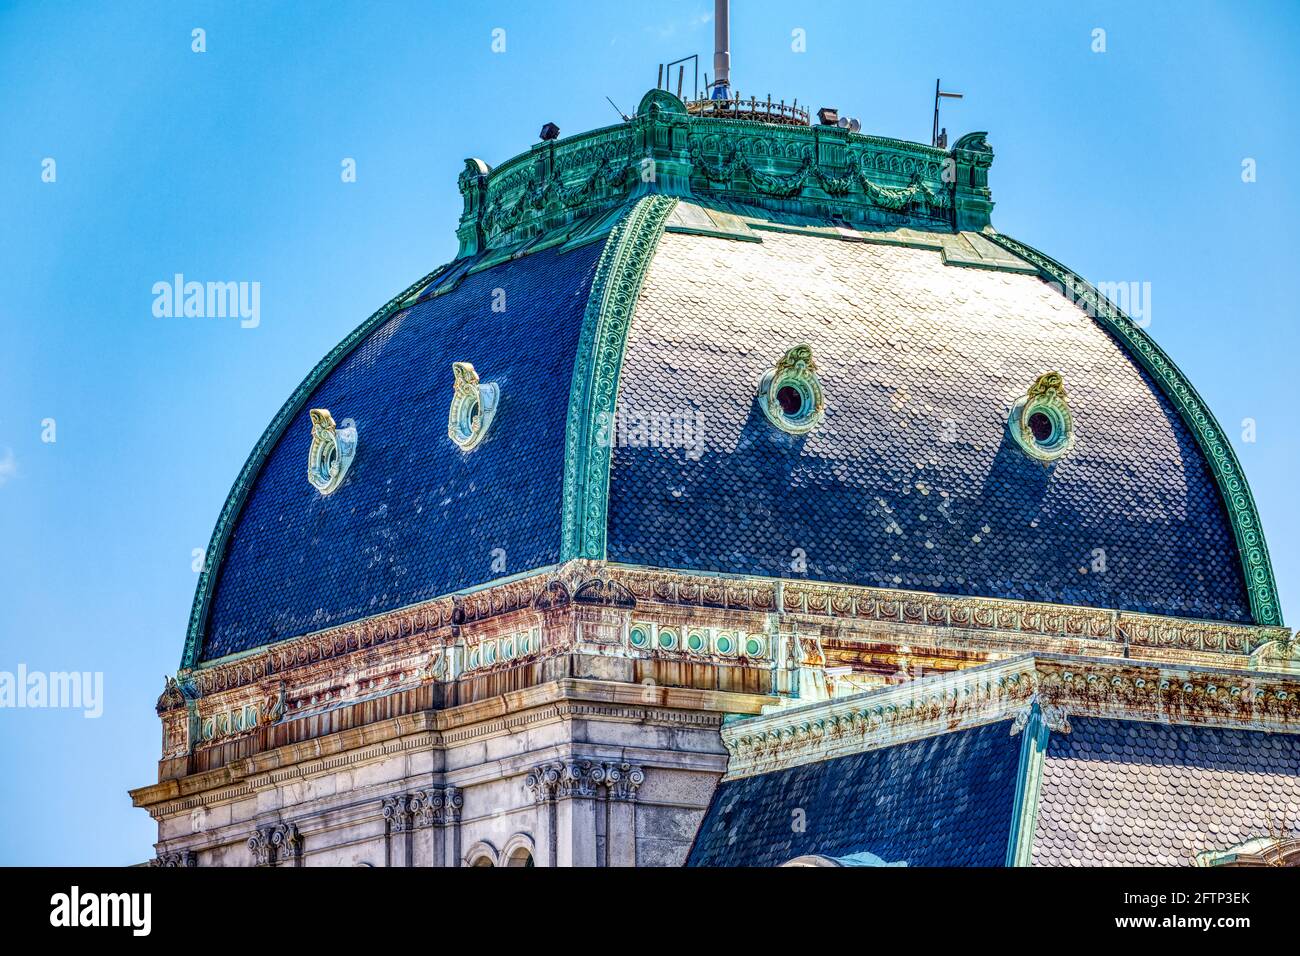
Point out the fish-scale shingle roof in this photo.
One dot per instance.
(1128, 793)
(415, 518)
(911, 480)
(942, 801)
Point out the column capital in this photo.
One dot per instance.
(274, 844)
(621, 780)
(180, 858)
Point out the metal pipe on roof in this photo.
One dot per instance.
(721, 48)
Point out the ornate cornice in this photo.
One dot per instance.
(1152, 633)
(619, 275)
(819, 171)
(252, 465)
(512, 713)
(1228, 475)
(1061, 686)
(406, 637)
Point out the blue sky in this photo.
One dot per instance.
(225, 165)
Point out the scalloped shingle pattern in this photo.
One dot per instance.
(1127, 793)
(911, 481)
(415, 518)
(943, 801)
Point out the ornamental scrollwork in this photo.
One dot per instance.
(331, 452)
(473, 407)
(565, 779)
(1040, 421)
(181, 859)
(790, 393)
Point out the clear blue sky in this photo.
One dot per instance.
(225, 165)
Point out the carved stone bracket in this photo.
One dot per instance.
(1053, 716)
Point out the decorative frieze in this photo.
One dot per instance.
(588, 607)
(1061, 686)
(813, 170)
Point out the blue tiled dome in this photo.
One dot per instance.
(416, 517)
(909, 481)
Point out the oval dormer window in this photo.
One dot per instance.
(331, 452)
(1040, 422)
(473, 406)
(790, 393)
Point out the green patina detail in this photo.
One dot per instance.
(1231, 480)
(252, 465)
(619, 274)
(1029, 777)
(824, 172)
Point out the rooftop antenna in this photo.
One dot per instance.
(721, 50)
(617, 110)
(938, 95)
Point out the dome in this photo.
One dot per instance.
(735, 347)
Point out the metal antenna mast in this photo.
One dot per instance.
(721, 50)
(935, 136)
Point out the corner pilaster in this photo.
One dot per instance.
(1035, 723)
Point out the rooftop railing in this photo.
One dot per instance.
(753, 109)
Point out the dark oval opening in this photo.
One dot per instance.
(790, 400)
(1041, 426)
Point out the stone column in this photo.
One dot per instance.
(278, 844)
(427, 817)
(399, 822)
(453, 799)
(621, 782)
(542, 782)
(575, 814)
